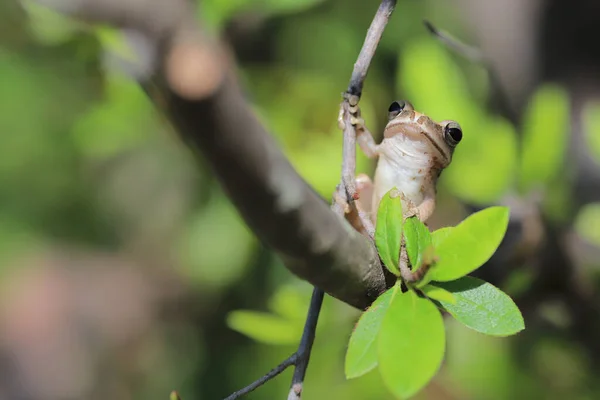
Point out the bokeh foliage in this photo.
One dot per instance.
(87, 161)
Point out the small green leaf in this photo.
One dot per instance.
(482, 307)
(361, 356)
(545, 134)
(410, 344)
(417, 239)
(587, 223)
(438, 236)
(590, 119)
(469, 244)
(48, 26)
(174, 396)
(439, 294)
(264, 327)
(282, 7)
(388, 233)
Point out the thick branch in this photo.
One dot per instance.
(210, 114)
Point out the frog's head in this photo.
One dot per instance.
(442, 138)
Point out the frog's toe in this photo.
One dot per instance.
(357, 121)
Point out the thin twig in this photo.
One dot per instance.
(291, 360)
(361, 67)
(305, 347)
(473, 54)
(347, 186)
(302, 356)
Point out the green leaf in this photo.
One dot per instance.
(438, 236)
(123, 120)
(438, 293)
(217, 12)
(482, 307)
(410, 344)
(484, 164)
(587, 223)
(361, 356)
(49, 26)
(114, 41)
(469, 244)
(264, 327)
(591, 127)
(545, 134)
(388, 233)
(417, 240)
(282, 7)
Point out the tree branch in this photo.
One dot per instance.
(345, 190)
(194, 83)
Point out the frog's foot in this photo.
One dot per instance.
(358, 122)
(409, 209)
(411, 212)
(355, 118)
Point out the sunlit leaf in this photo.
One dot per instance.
(264, 327)
(290, 302)
(217, 12)
(470, 244)
(410, 344)
(438, 293)
(361, 356)
(388, 232)
(417, 239)
(279, 7)
(519, 281)
(545, 133)
(439, 235)
(47, 25)
(122, 120)
(205, 249)
(113, 40)
(433, 82)
(587, 223)
(591, 127)
(484, 164)
(482, 307)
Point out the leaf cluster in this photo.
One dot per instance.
(403, 331)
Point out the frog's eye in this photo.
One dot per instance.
(397, 107)
(452, 133)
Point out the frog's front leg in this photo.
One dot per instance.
(363, 135)
(422, 211)
(427, 206)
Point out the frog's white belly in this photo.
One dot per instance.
(405, 165)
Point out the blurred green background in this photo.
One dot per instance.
(125, 272)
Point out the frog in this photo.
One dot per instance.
(411, 157)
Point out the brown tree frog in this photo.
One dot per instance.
(413, 153)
